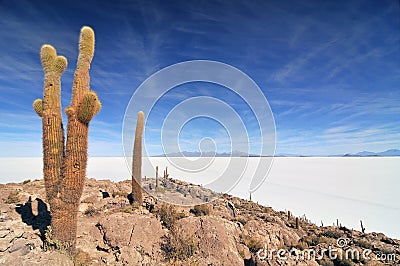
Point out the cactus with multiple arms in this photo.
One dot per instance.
(137, 192)
(64, 168)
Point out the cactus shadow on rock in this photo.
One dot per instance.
(40, 221)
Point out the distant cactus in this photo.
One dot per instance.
(137, 192)
(156, 176)
(64, 167)
(362, 227)
(166, 175)
(164, 182)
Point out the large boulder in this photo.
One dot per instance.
(131, 239)
(217, 239)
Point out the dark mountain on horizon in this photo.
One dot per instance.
(290, 155)
(391, 152)
(387, 153)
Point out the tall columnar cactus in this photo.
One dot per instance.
(64, 167)
(157, 176)
(137, 160)
(166, 175)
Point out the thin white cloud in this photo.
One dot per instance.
(298, 64)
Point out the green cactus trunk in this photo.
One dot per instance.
(64, 169)
(137, 192)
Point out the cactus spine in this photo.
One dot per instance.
(137, 160)
(64, 168)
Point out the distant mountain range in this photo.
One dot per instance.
(387, 153)
(207, 154)
(391, 152)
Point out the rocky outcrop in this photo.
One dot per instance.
(131, 239)
(230, 231)
(20, 244)
(217, 239)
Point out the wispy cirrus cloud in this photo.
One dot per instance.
(330, 82)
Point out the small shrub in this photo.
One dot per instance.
(26, 182)
(363, 244)
(242, 220)
(160, 190)
(326, 262)
(91, 211)
(301, 245)
(119, 194)
(132, 208)
(325, 240)
(386, 252)
(13, 197)
(81, 258)
(252, 243)
(179, 246)
(332, 234)
(343, 262)
(168, 215)
(315, 240)
(52, 244)
(310, 240)
(200, 210)
(266, 209)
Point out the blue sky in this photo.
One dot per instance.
(329, 69)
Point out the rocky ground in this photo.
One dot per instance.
(226, 231)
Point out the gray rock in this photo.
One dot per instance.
(19, 247)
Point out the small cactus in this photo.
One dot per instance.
(166, 175)
(362, 227)
(137, 192)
